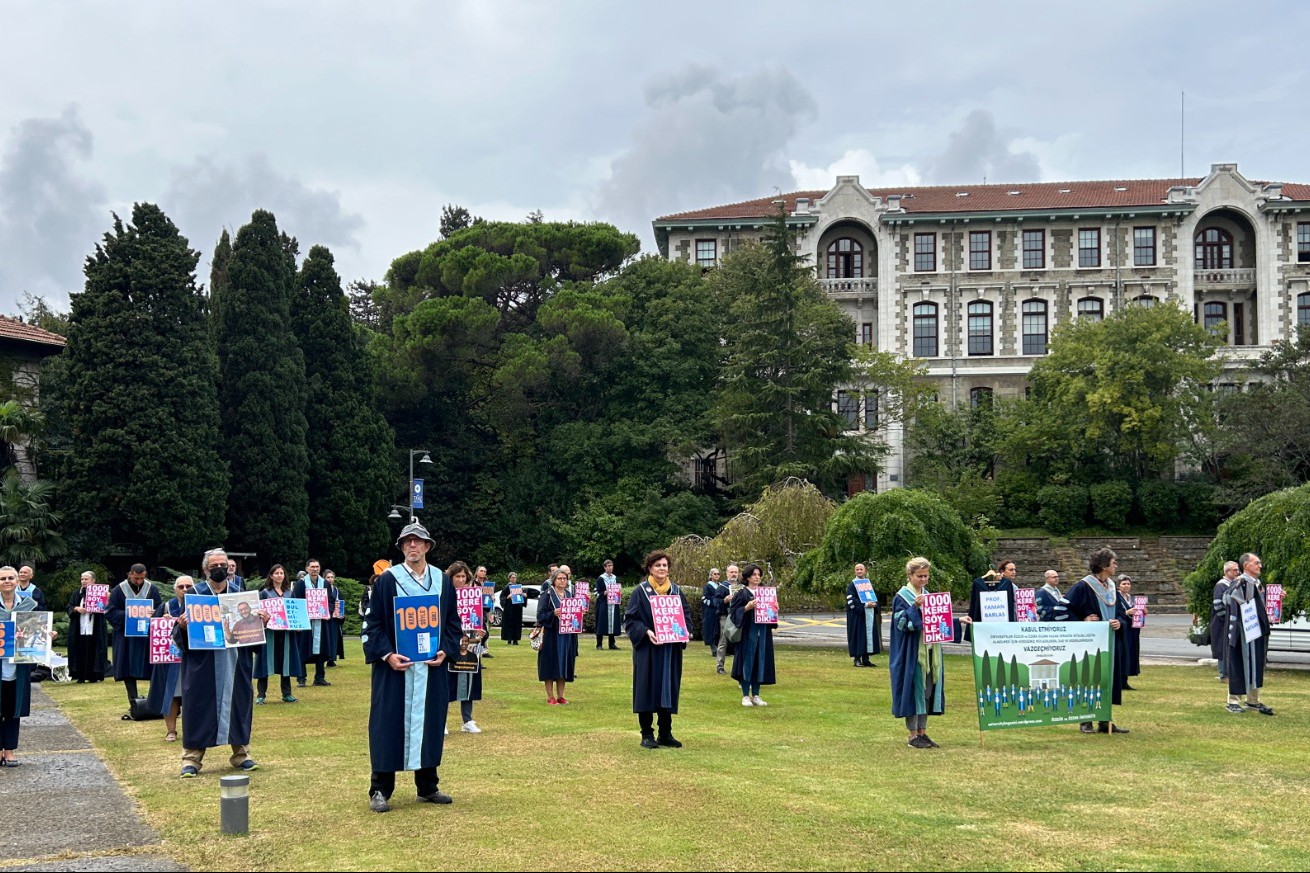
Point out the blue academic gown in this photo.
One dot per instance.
(656, 670)
(131, 654)
(218, 698)
(34, 594)
(558, 655)
(166, 679)
(318, 644)
(19, 700)
(753, 660)
(858, 618)
(1051, 605)
(407, 716)
(282, 651)
(908, 682)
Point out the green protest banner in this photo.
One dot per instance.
(1030, 674)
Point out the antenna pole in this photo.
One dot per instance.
(1182, 133)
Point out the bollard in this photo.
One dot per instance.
(234, 804)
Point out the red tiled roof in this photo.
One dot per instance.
(987, 198)
(12, 328)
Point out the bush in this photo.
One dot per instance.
(351, 591)
(1159, 502)
(1063, 507)
(1018, 492)
(973, 497)
(1200, 506)
(1111, 502)
(60, 585)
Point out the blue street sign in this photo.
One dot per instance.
(416, 493)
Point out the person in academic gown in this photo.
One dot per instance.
(338, 624)
(863, 623)
(1051, 605)
(752, 664)
(29, 590)
(1002, 579)
(1246, 661)
(511, 616)
(318, 644)
(916, 669)
(1132, 635)
(217, 694)
(466, 687)
(282, 649)
(1094, 598)
(131, 654)
(88, 637)
(609, 616)
(656, 667)
(1219, 617)
(711, 607)
(407, 711)
(15, 679)
(557, 657)
(165, 696)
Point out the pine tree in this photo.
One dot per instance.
(350, 445)
(139, 394)
(262, 397)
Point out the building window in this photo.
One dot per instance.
(1034, 249)
(871, 411)
(1214, 249)
(1239, 325)
(848, 407)
(1214, 315)
(980, 328)
(1143, 247)
(1034, 327)
(980, 250)
(925, 252)
(866, 333)
(1303, 310)
(1303, 242)
(845, 259)
(925, 330)
(1091, 308)
(707, 252)
(1146, 301)
(1089, 247)
(980, 398)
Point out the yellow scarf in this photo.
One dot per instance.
(668, 585)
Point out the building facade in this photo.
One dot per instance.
(973, 278)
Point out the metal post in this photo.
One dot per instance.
(234, 804)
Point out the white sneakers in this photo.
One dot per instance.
(471, 727)
(746, 701)
(756, 701)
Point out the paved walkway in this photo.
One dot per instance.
(65, 811)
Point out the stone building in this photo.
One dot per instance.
(972, 278)
(22, 349)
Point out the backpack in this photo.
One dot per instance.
(731, 632)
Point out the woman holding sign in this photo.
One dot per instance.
(465, 683)
(752, 665)
(917, 671)
(511, 617)
(88, 637)
(165, 695)
(1093, 598)
(1127, 612)
(656, 624)
(15, 679)
(281, 652)
(559, 651)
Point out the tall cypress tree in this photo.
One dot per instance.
(140, 393)
(349, 442)
(262, 398)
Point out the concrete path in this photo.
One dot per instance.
(64, 809)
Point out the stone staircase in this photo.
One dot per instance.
(1157, 565)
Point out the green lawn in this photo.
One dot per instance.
(821, 779)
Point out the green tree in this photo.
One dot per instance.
(986, 670)
(349, 444)
(787, 348)
(137, 392)
(262, 397)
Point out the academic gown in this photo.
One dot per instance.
(1084, 601)
(218, 698)
(1132, 637)
(558, 655)
(711, 608)
(36, 595)
(975, 599)
(511, 619)
(1219, 624)
(16, 696)
(338, 628)
(1246, 661)
(318, 644)
(909, 684)
(407, 716)
(609, 616)
(166, 679)
(88, 656)
(282, 651)
(858, 619)
(131, 654)
(753, 660)
(656, 669)
(1051, 605)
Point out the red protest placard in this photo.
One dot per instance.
(938, 618)
(96, 599)
(571, 611)
(316, 601)
(1274, 603)
(276, 611)
(1025, 604)
(1139, 601)
(468, 603)
(670, 621)
(162, 648)
(613, 593)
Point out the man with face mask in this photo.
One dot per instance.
(218, 698)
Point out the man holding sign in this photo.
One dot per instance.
(132, 648)
(411, 614)
(656, 624)
(319, 645)
(1248, 637)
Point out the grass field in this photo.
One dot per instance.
(820, 780)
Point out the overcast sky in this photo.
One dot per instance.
(354, 123)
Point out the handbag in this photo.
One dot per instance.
(534, 639)
(731, 632)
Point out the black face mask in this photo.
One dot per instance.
(218, 574)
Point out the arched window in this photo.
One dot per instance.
(1034, 327)
(980, 398)
(1146, 301)
(1303, 310)
(1214, 249)
(1091, 308)
(925, 330)
(1214, 315)
(980, 328)
(845, 259)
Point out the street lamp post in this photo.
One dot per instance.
(396, 507)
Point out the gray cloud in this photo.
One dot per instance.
(205, 196)
(51, 214)
(978, 151)
(707, 138)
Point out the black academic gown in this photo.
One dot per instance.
(558, 655)
(711, 607)
(407, 715)
(744, 660)
(609, 617)
(88, 656)
(1051, 605)
(1246, 662)
(511, 619)
(1132, 637)
(858, 617)
(1219, 624)
(218, 697)
(131, 654)
(1083, 602)
(656, 669)
(318, 644)
(975, 598)
(338, 627)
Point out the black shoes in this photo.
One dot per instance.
(668, 741)
(614, 647)
(649, 743)
(929, 741)
(1260, 708)
(1087, 727)
(322, 682)
(437, 796)
(918, 742)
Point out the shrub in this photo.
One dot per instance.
(1199, 505)
(1111, 502)
(1159, 502)
(1018, 492)
(1063, 507)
